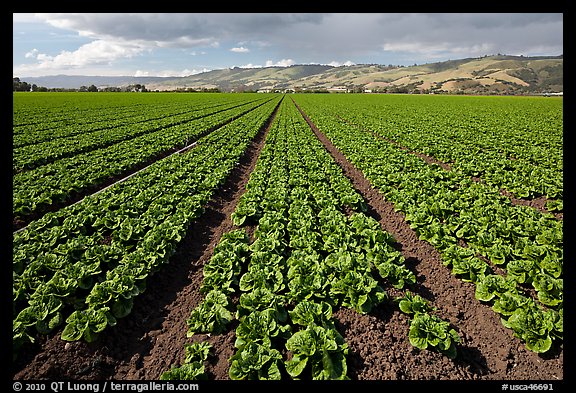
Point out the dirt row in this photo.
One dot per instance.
(379, 341)
(151, 339)
(77, 196)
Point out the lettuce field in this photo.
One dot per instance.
(221, 236)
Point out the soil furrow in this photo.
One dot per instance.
(379, 341)
(151, 339)
(538, 203)
(77, 196)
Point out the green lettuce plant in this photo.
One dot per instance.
(428, 331)
(255, 361)
(87, 324)
(322, 350)
(260, 326)
(211, 315)
(319, 348)
(193, 366)
(534, 326)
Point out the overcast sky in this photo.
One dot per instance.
(183, 43)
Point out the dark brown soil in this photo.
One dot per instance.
(151, 339)
(380, 349)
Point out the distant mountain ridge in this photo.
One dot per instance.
(500, 74)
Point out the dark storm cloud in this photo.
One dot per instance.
(493, 20)
(361, 37)
(431, 36)
(178, 29)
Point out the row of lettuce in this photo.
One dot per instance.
(313, 250)
(78, 164)
(42, 153)
(510, 142)
(37, 119)
(82, 266)
(514, 254)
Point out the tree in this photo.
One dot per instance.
(135, 88)
(19, 85)
(92, 88)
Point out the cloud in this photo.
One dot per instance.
(32, 54)
(281, 63)
(338, 64)
(270, 63)
(488, 21)
(183, 30)
(95, 52)
(296, 38)
(250, 65)
(334, 34)
(167, 73)
(289, 62)
(309, 33)
(24, 18)
(434, 50)
(432, 36)
(240, 49)
(99, 52)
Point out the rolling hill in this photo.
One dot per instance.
(500, 74)
(246, 78)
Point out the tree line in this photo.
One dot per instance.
(19, 85)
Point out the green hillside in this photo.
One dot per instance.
(484, 75)
(245, 78)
